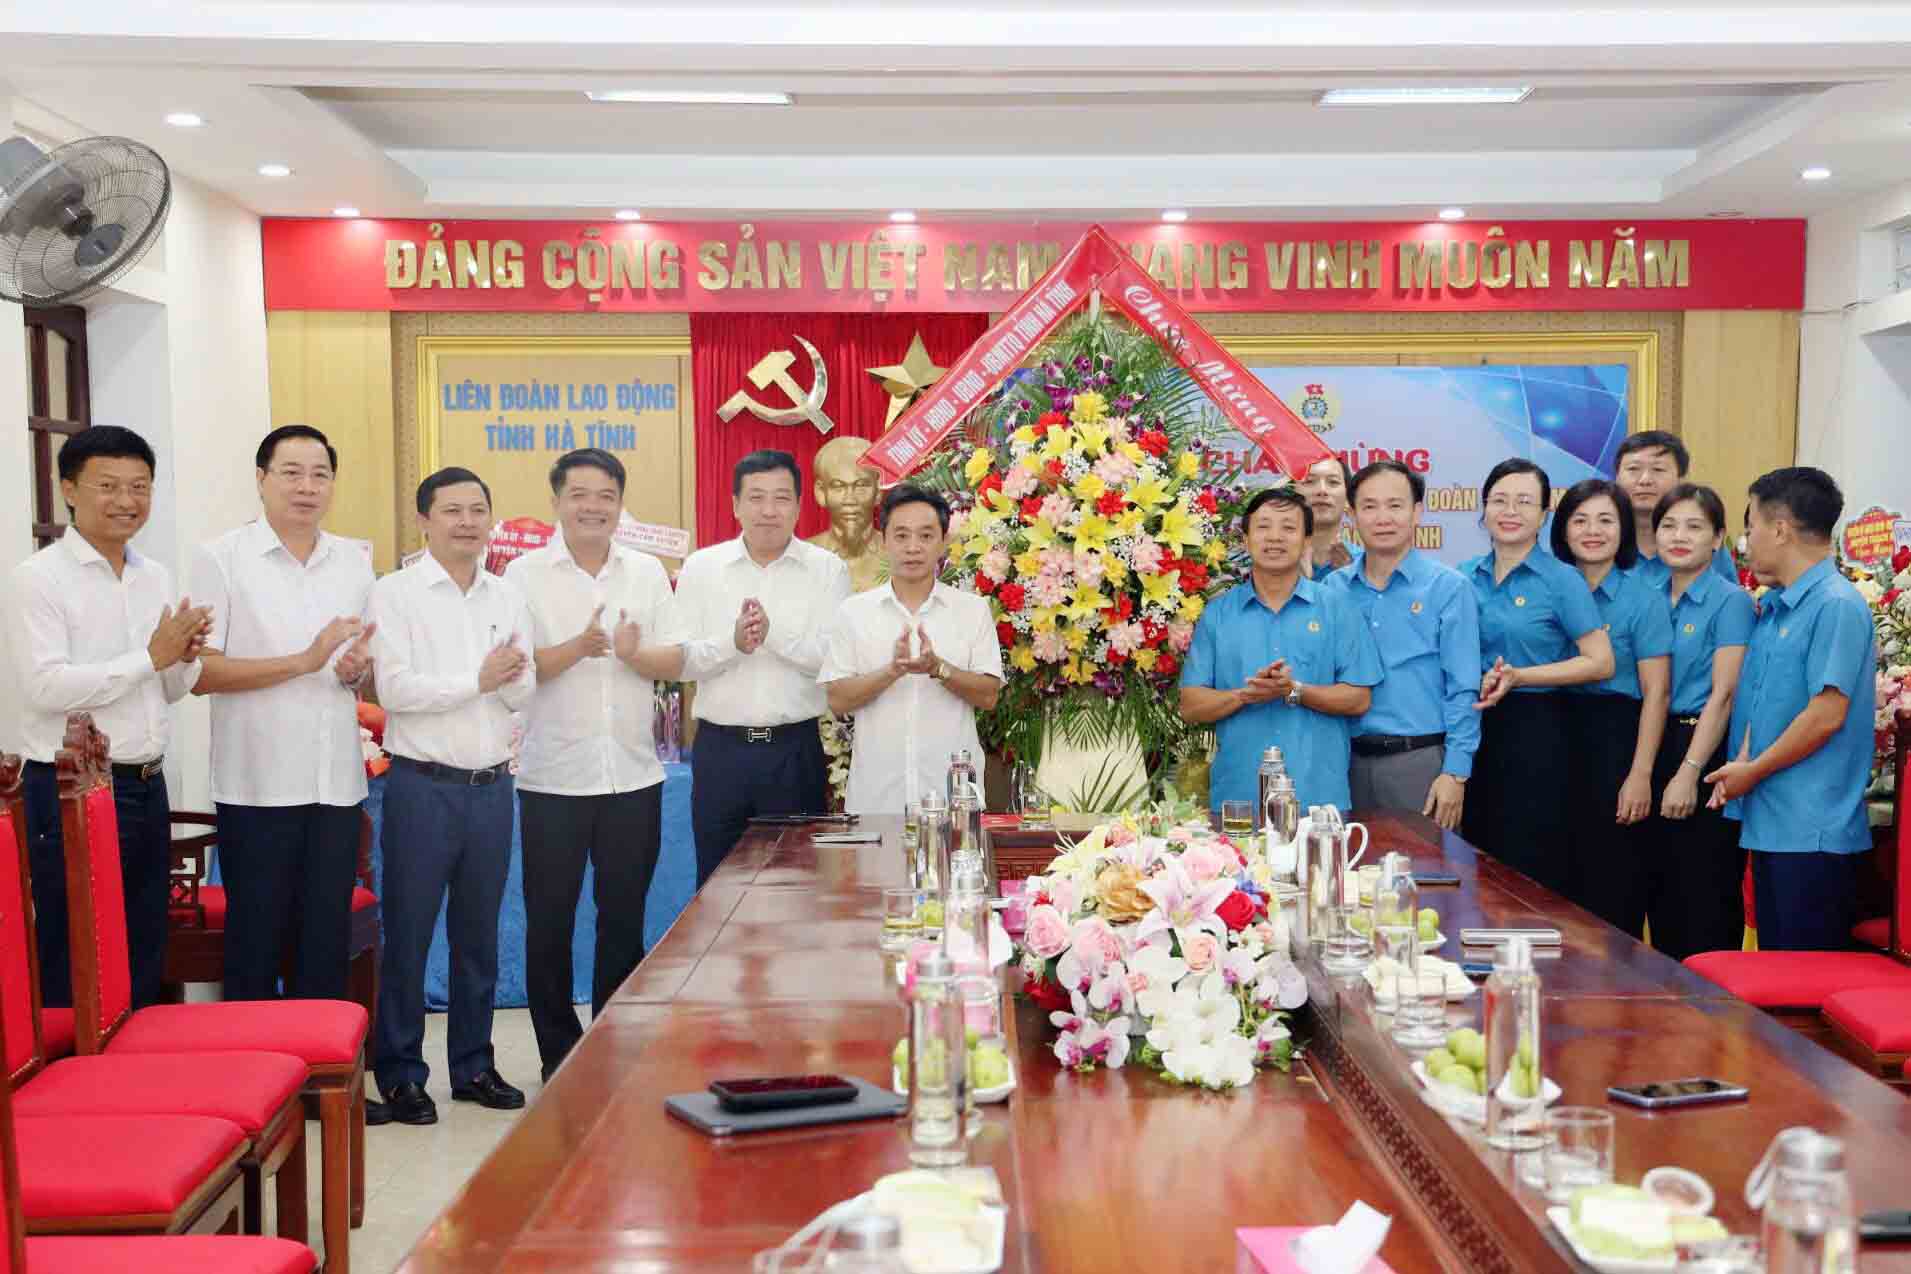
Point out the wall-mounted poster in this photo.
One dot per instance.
(1453, 424)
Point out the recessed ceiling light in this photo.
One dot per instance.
(1452, 214)
(1175, 214)
(185, 119)
(1815, 174)
(274, 170)
(1425, 96)
(629, 214)
(902, 216)
(674, 97)
(344, 210)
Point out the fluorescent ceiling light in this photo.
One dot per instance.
(185, 119)
(1815, 174)
(1174, 214)
(902, 216)
(1452, 214)
(691, 97)
(1425, 96)
(629, 214)
(345, 210)
(274, 170)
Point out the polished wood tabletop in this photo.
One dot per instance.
(773, 969)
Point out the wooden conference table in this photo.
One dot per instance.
(773, 969)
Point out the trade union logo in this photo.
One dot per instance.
(1317, 406)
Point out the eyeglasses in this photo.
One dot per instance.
(1501, 503)
(319, 477)
(114, 490)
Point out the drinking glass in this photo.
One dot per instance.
(902, 918)
(1579, 1146)
(1420, 1009)
(912, 842)
(1237, 819)
(1031, 802)
(1369, 877)
(1345, 950)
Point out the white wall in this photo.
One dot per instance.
(1854, 389)
(16, 461)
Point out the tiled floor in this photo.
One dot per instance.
(412, 1173)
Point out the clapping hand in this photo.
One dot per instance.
(502, 665)
(179, 635)
(330, 638)
(752, 627)
(1270, 683)
(593, 641)
(357, 659)
(627, 637)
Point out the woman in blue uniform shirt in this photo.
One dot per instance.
(1695, 863)
(1539, 631)
(1614, 724)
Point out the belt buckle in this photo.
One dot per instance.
(757, 733)
(481, 777)
(149, 768)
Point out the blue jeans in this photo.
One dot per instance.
(445, 843)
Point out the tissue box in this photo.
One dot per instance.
(1265, 1251)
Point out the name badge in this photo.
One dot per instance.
(1690, 629)
(1784, 632)
(1313, 625)
(1417, 607)
(1519, 601)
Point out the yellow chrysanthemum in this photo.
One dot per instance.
(1133, 451)
(1022, 657)
(1028, 563)
(1092, 533)
(1130, 521)
(1148, 493)
(980, 461)
(1215, 551)
(1192, 606)
(1145, 659)
(1088, 407)
(1079, 671)
(1178, 527)
(1159, 587)
(1115, 569)
(1089, 486)
(1189, 464)
(1025, 435)
(1077, 638)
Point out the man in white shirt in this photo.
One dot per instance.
(92, 626)
(590, 787)
(755, 610)
(453, 646)
(913, 660)
(287, 649)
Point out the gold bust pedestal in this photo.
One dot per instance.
(848, 491)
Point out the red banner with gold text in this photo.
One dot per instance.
(980, 267)
(1097, 262)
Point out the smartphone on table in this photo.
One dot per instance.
(781, 1092)
(1664, 1094)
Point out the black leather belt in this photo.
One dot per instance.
(451, 773)
(1394, 744)
(138, 771)
(761, 733)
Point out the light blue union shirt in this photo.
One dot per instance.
(1708, 615)
(1655, 572)
(1815, 635)
(1536, 615)
(1426, 623)
(1638, 618)
(1324, 641)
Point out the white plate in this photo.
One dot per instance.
(1459, 987)
(1562, 1219)
(1437, 941)
(983, 1096)
(1471, 1107)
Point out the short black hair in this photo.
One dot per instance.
(449, 477)
(1654, 440)
(270, 443)
(1290, 496)
(1705, 497)
(105, 442)
(1378, 467)
(587, 458)
(1591, 489)
(1515, 465)
(909, 493)
(1808, 496)
(765, 461)
(1346, 474)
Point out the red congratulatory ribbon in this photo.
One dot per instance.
(1097, 262)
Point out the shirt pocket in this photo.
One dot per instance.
(1312, 658)
(1402, 641)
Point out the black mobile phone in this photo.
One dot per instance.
(1692, 1091)
(1424, 878)
(1885, 1227)
(781, 1092)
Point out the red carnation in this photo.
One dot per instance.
(1167, 665)
(1110, 505)
(1047, 995)
(1115, 658)
(1194, 577)
(1154, 442)
(1153, 634)
(1032, 508)
(1890, 596)
(1052, 471)
(991, 483)
(1118, 613)
(1005, 632)
(1237, 911)
(1056, 418)
(1207, 502)
(1901, 559)
(1011, 596)
(983, 584)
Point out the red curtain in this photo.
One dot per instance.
(723, 349)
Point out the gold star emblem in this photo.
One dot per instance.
(1313, 625)
(1519, 601)
(1690, 629)
(1417, 607)
(903, 381)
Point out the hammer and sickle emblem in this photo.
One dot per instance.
(774, 369)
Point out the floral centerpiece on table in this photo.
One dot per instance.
(1158, 944)
(1087, 517)
(1887, 588)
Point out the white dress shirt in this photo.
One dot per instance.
(431, 639)
(295, 743)
(77, 634)
(591, 730)
(801, 592)
(906, 734)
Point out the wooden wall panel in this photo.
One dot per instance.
(1739, 398)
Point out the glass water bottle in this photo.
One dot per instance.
(1809, 1224)
(938, 1066)
(1513, 1049)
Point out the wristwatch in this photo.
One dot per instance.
(1294, 695)
(942, 670)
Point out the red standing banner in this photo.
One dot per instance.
(1097, 263)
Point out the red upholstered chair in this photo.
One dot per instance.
(196, 936)
(1795, 985)
(328, 1036)
(161, 1174)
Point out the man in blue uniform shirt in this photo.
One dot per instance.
(1280, 660)
(1326, 487)
(1646, 467)
(1802, 722)
(1413, 749)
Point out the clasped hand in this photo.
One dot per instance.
(502, 665)
(179, 635)
(924, 661)
(752, 626)
(1272, 683)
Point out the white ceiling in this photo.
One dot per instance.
(1064, 108)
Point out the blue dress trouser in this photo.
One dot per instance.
(446, 843)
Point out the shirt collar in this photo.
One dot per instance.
(1699, 591)
(739, 553)
(938, 596)
(1305, 590)
(564, 554)
(1610, 586)
(83, 552)
(1409, 569)
(265, 540)
(1802, 586)
(434, 574)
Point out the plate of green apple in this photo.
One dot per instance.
(992, 1074)
(1454, 1079)
(1426, 937)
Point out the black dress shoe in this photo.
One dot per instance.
(489, 1089)
(408, 1104)
(377, 1113)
